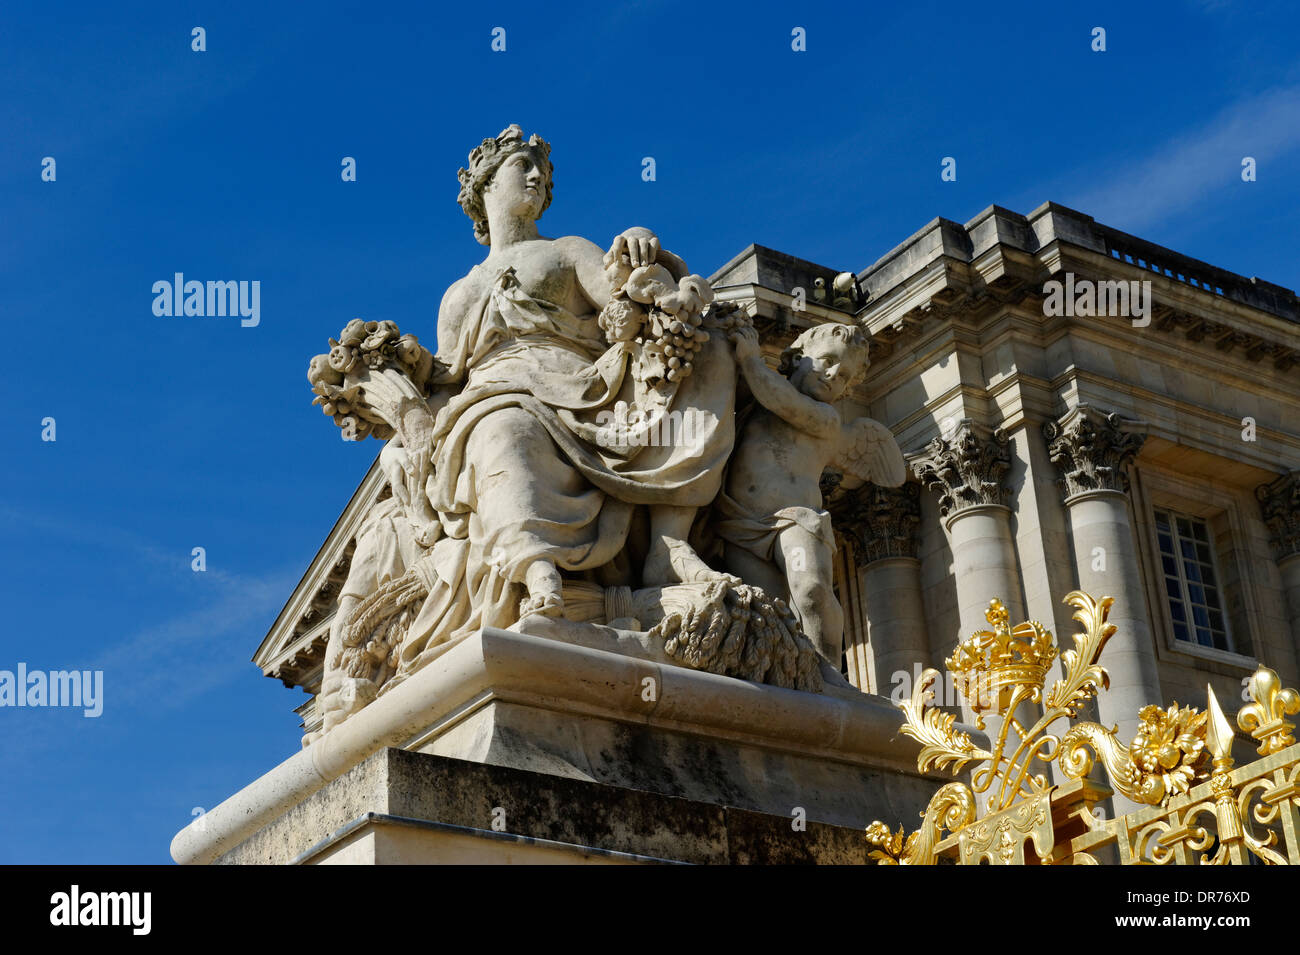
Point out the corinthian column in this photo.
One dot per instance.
(1279, 503)
(881, 522)
(1091, 449)
(966, 472)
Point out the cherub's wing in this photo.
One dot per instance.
(868, 451)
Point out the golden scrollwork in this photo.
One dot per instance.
(1197, 806)
(951, 809)
(942, 747)
(1162, 760)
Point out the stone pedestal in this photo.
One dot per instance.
(404, 808)
(604, 728)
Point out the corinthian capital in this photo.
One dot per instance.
(1091, 448)
(881, 521)
(965, 469)
(1279, 503)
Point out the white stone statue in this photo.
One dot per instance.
(552, 459)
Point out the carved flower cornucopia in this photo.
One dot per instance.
(360, 356)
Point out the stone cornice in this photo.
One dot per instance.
(948, 270)
(1279, 504)
(966, 469)
(881, 522)
(1091, 449)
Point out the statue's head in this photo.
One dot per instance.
(827, 360)
(526, 184)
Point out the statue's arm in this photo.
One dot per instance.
(774, 391)
(588, 261)
(452, 314)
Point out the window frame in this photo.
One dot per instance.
(1212, 545)
(1156, 488)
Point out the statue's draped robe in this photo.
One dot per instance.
(536, 459)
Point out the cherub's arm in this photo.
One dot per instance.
(775, 393)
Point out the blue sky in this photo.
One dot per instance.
(174, 433)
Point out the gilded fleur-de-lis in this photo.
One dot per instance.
(1265, 719)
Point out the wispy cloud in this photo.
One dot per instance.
(164, 664)
(1182, 173)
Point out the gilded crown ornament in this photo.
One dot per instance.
(992, 665)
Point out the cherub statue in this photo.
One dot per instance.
(777, 534)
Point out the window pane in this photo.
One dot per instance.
(1187, 555)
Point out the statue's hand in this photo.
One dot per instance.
(396, 464)
(639, 244)
(745, 340)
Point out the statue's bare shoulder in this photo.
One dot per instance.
(578, 251)
(588, 263)
(459, 295)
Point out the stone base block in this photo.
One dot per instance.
(402, 808)
(585, 752)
